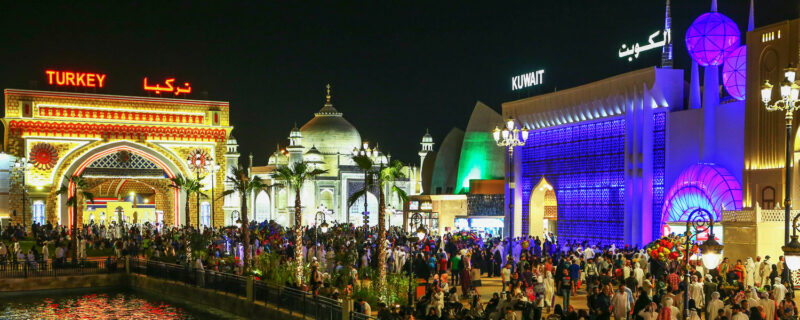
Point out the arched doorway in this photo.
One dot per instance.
(161, 161)
(262, 207)
(543, 210)
(704, 186)
(357, 210)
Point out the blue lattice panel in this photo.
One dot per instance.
(585, 164)
(659, 158)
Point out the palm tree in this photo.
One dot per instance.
(188, 186)
(244, 185)
(80, 186)
(294, 178)
(387, 176)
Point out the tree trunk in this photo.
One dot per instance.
(187, 208)
(298, 232)
(381, 283)
(74, 233)
(245, 234)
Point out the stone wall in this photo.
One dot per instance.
(63, 282)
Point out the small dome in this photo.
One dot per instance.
(330, 132)
(278, 158)
(313, 156)
(427, 138)
(231, 139)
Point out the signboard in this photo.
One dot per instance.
(633, 51)
(75, 79)
(168, 87)
(413, 205)
(527, 80)
(427, 205)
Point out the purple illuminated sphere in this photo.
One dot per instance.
(734, 72)
(710, 37)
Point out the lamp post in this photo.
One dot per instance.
(788, 102)
(710, 250)
(376, 157)
(212, 168)
(511, 136)
(791, 251)
(196, 164)
(21, 166)
(416, 219)
(319, 215)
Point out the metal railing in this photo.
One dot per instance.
(360, 316)
(53, 268)
(291, 300)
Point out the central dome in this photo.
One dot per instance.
(329, 132)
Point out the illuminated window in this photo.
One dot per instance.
(768, 198)
(205, 214)
(38, 212)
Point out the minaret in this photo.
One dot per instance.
(231, 162)
(427, 147)
(666, 51)
(295, 146)
(751, 20)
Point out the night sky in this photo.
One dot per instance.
(396, 69)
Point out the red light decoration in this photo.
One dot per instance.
(198, 154)
(43, 155)
(75, 79)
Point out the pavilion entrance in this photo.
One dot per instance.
(543, 217)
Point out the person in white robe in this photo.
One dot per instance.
(750, 272)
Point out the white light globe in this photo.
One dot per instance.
(711, 260)
(793, 262)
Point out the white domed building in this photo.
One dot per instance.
(327, 142)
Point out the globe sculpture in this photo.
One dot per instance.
(711, 37)
(734, 72)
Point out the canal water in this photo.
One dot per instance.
(101, 305)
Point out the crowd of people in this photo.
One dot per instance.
(538, 277)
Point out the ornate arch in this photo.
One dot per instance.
(95, 151)
(701, 186)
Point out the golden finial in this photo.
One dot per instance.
(328, 96)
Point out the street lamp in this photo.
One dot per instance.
(511, 136)
(416, 219)
(788, 102)
(196, 164)
(710, 250)
(791, 251)
(22, 166)
(377, 158)
(212, 168)
(319, 215)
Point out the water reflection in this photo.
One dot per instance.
(93, 306)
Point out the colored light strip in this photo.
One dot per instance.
(115, 131)
(62, 112)
(105, 97)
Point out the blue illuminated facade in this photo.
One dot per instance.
(659, 166)
(584, 164)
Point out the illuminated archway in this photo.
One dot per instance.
(262, 207)
(357, 210)
(701, 186)
(80, 163)
(542, 215)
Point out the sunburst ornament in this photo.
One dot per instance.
(43, 156)
(197, 159)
